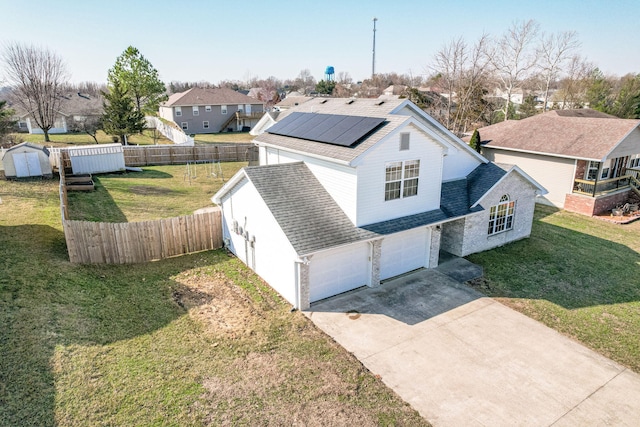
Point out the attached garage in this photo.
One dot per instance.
(26, 160)
(338, 270)
(404, 252)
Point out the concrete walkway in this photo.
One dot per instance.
(461, 359)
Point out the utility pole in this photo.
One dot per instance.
(373, 64)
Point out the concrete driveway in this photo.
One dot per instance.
(461, 359)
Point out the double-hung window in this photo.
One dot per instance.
(592, 170)
(223, 109)
(501, 215)
(401, 179)
(178, 111)
(196, 110)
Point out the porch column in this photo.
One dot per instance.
(303, 277)
(434, 246)
(375, 252)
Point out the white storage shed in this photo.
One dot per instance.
(92, 159)
(26, 160)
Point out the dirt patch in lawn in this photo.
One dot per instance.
(149, 190)
(222, 308)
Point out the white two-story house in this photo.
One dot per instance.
(351, 192)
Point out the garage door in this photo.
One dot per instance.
(403, 252)
(338, 270)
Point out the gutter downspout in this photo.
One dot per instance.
(298, 263)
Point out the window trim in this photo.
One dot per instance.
(401, 179)
(196, 110)
(205, 124)
(501, 216)
(184, 125)
(178, 111)
(594, 167)
(207, 108)
(223, 109)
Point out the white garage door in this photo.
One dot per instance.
(339, 270)
(403, 252)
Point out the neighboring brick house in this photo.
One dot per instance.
(587, 160)
(200, 110)
(350, 192)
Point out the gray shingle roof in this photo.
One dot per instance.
(569, 133)
(305, 211)
(309, 216)
(201, 96)
(482, 178)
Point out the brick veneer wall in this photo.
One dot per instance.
(586, 205)
(581, 167)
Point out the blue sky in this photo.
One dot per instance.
(192, 40)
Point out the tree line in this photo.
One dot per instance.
(465, 85)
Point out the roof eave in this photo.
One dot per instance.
(542, 153)
(541, 190)
(304, 153)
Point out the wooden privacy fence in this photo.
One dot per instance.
(133, 242)
(180, 155)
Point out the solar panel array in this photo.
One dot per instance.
(328, 128)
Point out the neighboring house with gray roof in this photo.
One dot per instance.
(350, 192)
(199, 110)
(74, 108)
(583, 157)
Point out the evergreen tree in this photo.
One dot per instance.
(474, 142)
(121, 118)
(527, 108)
(325, 87)
(6, 120)
(139, 80)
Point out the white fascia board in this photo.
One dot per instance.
(619, 142)
(443, 129)
(541, 190)
(410, 121)
(542, 153)
(302, 153)
(235, 179)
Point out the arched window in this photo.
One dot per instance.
(501, 215)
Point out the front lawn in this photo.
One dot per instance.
(578, 275)
(188, 341)
(157, 192)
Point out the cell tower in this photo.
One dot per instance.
(329, 74)
(373, 63)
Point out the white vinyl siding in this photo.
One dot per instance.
(272, 256)
(339, 181)
(338, 270)
(371, 204)
(628, 146)
(555, 174)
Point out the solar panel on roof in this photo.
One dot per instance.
(328, 128)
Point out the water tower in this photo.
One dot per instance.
(329, 74)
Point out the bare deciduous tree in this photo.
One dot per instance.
(37, 76)
(573, 87)
(554, 51)
(514, 57)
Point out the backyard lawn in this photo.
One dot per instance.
(157, 192)
(578, 275)
(192, 340)
(66, 139)
(225, 137)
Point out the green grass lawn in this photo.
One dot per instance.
(225, 137)
(578, 275)
(157, 192)
(62, 140)
(193, 340)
